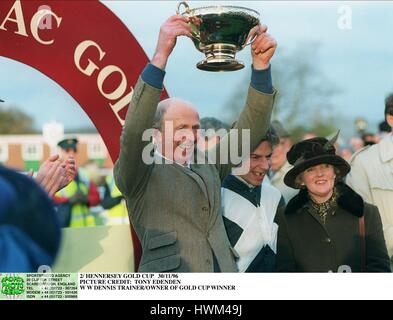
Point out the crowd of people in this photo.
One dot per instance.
(35, 206)
(90, 199)
(317, 205)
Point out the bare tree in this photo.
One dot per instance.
(305, 94)
(15, 121)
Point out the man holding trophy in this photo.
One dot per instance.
(175, 207)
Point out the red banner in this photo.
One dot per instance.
(83, 47)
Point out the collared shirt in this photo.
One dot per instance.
(188, 164)
(251, 186)
(249, 216)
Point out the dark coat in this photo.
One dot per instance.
(305, 244)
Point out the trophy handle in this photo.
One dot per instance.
(253, 34)
(186, 6)
(192, 18)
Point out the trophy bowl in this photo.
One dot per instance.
(220, 32)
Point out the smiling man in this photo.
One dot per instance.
(280, 165)
(175, 205)
(250, 208)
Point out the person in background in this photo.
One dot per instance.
(327, 227)
(54, 174)
(383, 130)
(342, 150)
(90, 173)
(74, 200)
(213, 130)
(114, 204)
(368, 139)
(279, 163)
(356, 143)
(309, 135)
(249, 209)
(371, 176)
(345, 152)
(175, 206)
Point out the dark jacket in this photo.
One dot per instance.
(29, 229)
(305, 244)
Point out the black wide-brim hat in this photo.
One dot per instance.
(312, 152)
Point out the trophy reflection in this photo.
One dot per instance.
(220, 32)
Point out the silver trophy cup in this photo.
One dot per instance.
(219, 32)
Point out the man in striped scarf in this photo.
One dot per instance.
(249, 208)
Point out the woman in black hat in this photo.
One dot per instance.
(327, 226)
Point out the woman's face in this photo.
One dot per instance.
(319, 181)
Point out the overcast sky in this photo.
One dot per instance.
(359, 60)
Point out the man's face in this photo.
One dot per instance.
(260, 161)
(180, 132)
(209, 143)
(279, 156)
(69, 152)
(356, 143)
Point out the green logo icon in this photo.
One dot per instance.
(12, 286)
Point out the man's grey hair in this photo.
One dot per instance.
(162, 108)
